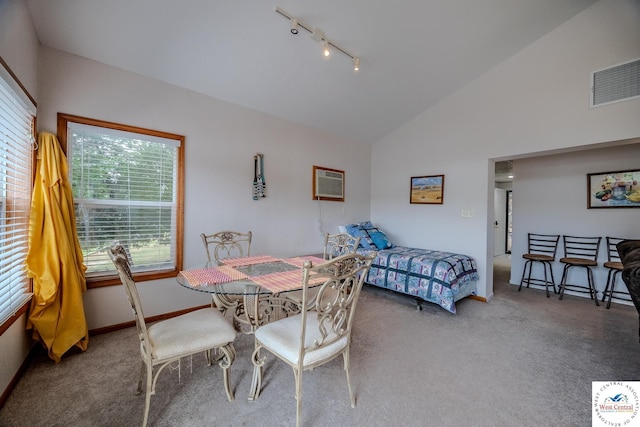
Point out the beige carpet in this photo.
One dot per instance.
(519, 360)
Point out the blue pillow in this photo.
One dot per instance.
(365, 225)
(357, 231)
(366, 230)
(379, 238)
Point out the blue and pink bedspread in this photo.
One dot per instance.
(434, 276)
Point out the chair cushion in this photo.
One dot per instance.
(616, 265)
(283, 337)
(582, 262)
(190, 333)
(537, 257)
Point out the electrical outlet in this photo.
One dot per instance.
(466, 213)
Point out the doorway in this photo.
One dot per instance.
(509, 231)
(503, 222)
(500, 221)
(503, 207)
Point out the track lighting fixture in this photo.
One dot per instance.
(318, 35)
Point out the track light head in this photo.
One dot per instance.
(294, 26)
(325, 49)
(356, 64)
(317, 34)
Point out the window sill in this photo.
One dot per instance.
(113, 280)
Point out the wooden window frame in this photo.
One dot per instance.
(113, 279)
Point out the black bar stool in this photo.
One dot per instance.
(540, 248)
(615, 268)
(580, 252)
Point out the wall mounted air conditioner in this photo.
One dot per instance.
(328, 184)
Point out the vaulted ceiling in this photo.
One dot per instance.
(413, 53)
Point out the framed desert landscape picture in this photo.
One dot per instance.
(427, 189)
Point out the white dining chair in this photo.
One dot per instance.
(322, 331)
(168, 341)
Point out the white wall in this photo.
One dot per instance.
(536, 101)
(221, 139)
(19, 43)
(19, 50)
(550, 197)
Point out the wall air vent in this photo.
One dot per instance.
(618, 83)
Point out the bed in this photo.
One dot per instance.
(437, 277)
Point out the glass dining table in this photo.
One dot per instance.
(255, 289)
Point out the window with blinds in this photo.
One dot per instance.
(17, 113)
(126, 187)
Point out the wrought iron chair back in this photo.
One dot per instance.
(339, 244)
(612, 249)
(222, 245)
(584, 249)
(120, 259)
(226, 244)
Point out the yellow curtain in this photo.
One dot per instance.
(54, 258)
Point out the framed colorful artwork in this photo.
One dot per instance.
(618, 189)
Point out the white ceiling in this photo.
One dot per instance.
(413, 53)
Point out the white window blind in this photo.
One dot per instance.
(16, 149)
(125, 192)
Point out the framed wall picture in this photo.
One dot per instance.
(617, 189)
(427, 189)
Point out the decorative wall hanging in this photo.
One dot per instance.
(613, 189)
(427, 189)
(259, 183)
